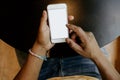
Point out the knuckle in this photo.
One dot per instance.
(90, 34)
(71, 45)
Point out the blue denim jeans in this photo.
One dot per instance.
(77, 65)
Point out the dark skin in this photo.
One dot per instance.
(87, 48)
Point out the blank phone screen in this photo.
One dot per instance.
(57, 23)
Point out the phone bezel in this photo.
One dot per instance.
(57, 6)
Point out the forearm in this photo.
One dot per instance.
(42, 45)
(106, 69)
(31, 69)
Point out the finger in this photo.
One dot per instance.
(73, 45)
(73, 36)
(43, 18)
(70, 31)
(79, 32)
(70, 18)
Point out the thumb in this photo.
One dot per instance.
(43, 19)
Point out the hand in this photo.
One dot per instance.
(43, 38)
(87, 45)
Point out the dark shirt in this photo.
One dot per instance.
(62, 50)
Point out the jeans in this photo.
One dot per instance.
(76, 65)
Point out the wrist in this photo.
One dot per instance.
(98, 56)
(41, 57)
(39, 50)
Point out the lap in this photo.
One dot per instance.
(76, 65)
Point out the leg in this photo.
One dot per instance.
(79, 66)
(49, 69)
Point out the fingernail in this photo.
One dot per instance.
(67, 24)
(71, 31)
(72, 17)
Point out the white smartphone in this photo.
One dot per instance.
(57, 18)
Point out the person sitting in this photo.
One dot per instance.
(88, 48)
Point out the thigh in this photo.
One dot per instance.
(50, 68)
(79, 65)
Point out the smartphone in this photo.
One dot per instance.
(57, 19)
